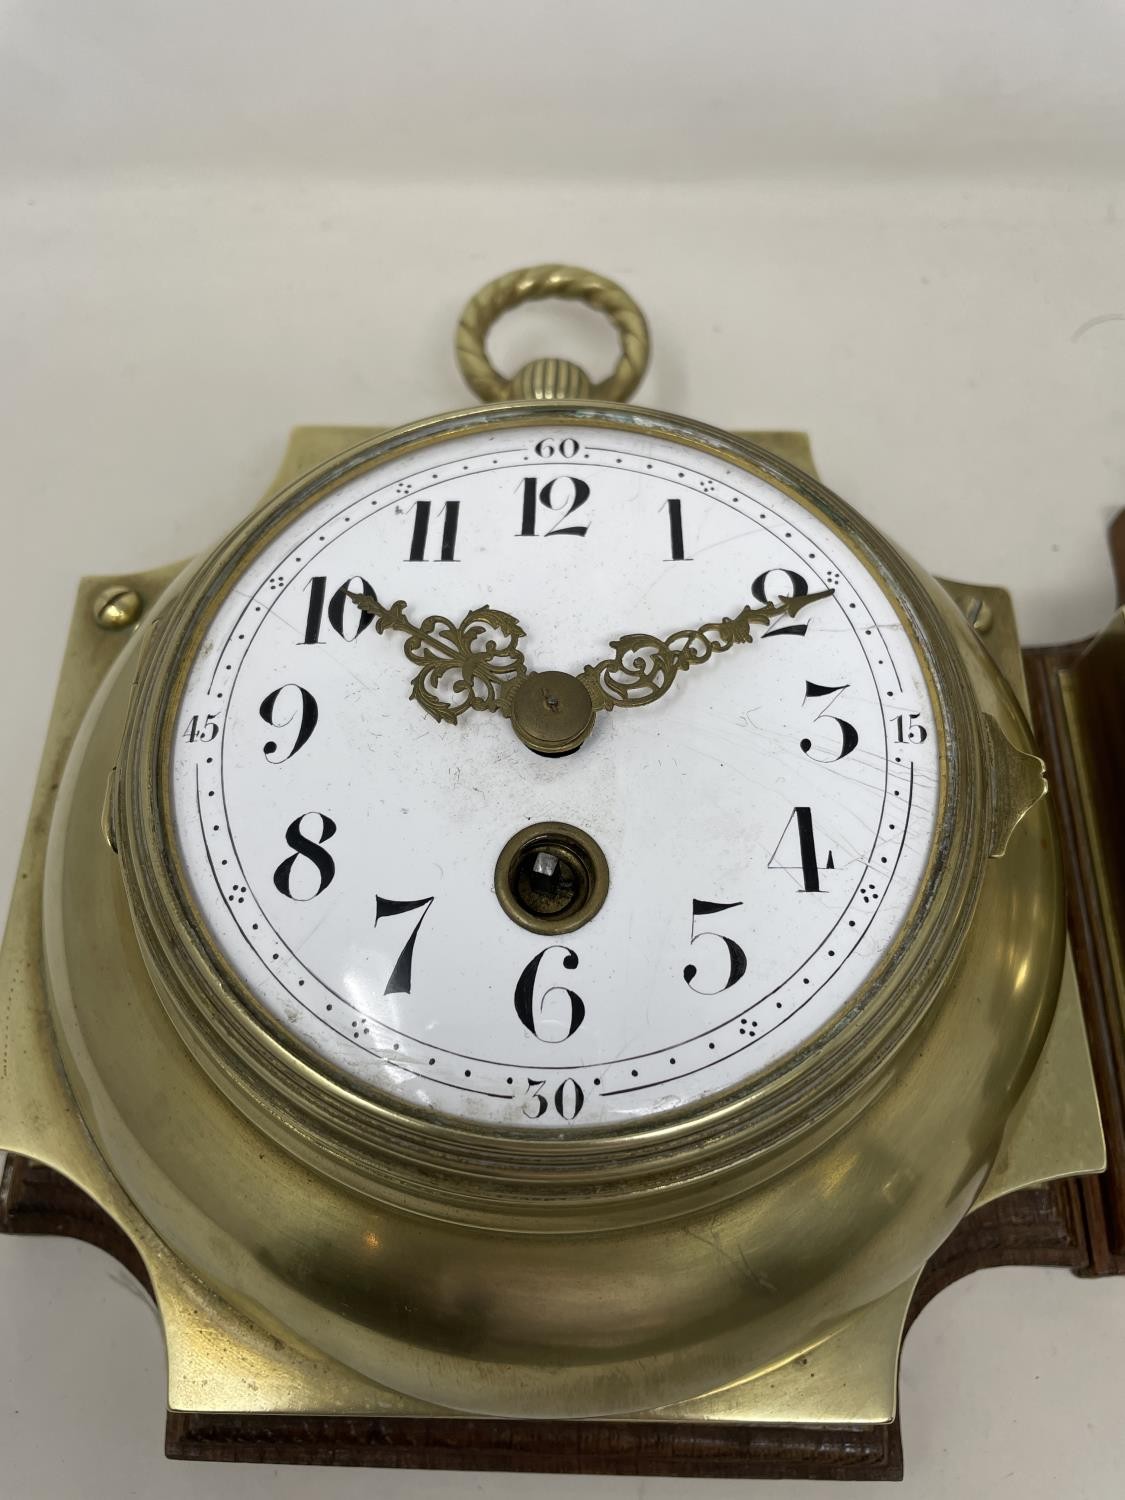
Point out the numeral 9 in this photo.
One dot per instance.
(306, 708)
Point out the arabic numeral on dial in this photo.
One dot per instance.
(303, 709)
(536, 1105)
(568, 1099)
(796, 850)
(849, 735)
(419, 539)
(564, 448)
(563, 494)
(292, 876)
(908, 731)
(736, 954)
(402, 973)
(778, 583)
(201, 729)
(556, 1013)
(676, 528)
(341, 611)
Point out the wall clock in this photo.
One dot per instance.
(549, 926)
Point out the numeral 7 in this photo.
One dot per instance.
(399, 982)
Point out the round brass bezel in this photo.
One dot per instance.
(430, 1160)
(588, 854)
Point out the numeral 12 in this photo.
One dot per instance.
(553, 499)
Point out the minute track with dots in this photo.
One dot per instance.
(767, 823)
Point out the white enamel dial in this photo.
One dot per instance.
(767, 824)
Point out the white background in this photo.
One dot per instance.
(900, 227)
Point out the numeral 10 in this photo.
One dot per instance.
(340, 609)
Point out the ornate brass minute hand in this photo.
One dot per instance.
(643, 667)
(471, 665)
(478, 664)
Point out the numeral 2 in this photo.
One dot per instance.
(797, 587)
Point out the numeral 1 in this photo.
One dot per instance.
(451, 510)
(676, 527)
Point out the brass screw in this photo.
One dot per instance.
(979, 614)
(117, 607)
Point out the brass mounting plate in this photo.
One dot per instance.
(220, 1361)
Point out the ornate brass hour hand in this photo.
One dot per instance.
(643, 667)
(478, 664)
(470, 665)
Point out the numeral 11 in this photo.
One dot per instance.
(450, 512)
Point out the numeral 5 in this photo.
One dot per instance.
(736, 955)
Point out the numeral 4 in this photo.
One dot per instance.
(796, 850)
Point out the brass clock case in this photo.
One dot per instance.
(597, 1272)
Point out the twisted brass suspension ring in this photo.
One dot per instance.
(532, 284)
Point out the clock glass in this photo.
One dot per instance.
(748, 843)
